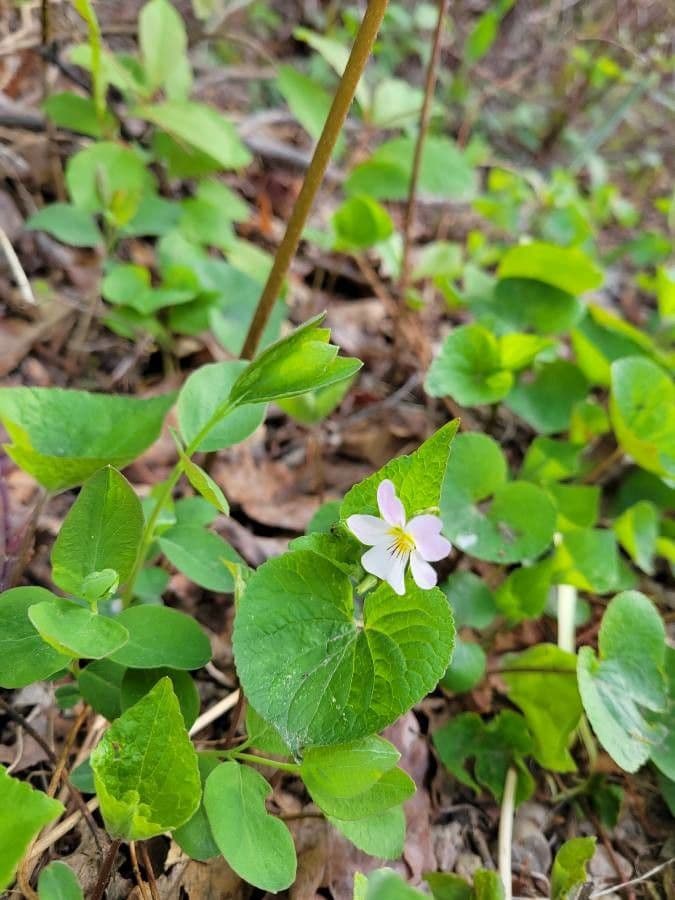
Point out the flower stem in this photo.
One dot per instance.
(425, 116)
(344, 96)
(506, 830)
(263, 761)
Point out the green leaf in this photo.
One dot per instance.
(202, 482)
(417, 477)
(100, 684)
(31, 811)
(624, 685)
(569, 867)
(494, 746)
(163, 44)
(448, 886)
(395, 103)
(637, 529)
(108, 178)
(466, 669)
(57, 881)
(202, 395)
(472, 601)
(588, 558)
(360, 222)
(264, 736)
(296, 606)
(384, 884)
(195, 837)
(600, 338)
(546, 402)
(518, 524)
(345, 770)
(303, 361)
(487, 885)
(469, 368)
(663, 755)
(484, 32)
(76, 113)
(24, 656)
(307, 100)
(159, 636)
(392, 789)
(524, 592)
(642, 410)
(200, 127)
(201, 555)
(445, 171)
(136, 683)
(567, 268)
(145, 769)
(540, 674)
(381, 835)
(578, 505)
(77, 631)
(102, 530)
(313, 407)
(260, 849)
(548, 461)
(61, 437)
(67, 224)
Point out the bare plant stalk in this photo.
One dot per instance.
(506, 830)
(425, 116)
(363, 45)
(105, 871)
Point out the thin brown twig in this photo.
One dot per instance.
(140, 882)
(425, 116)
(149, 872)
(105, 871)
(342, 102)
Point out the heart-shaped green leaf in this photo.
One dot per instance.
(624, 686)
(520, 520)
(61, 437)
(642, 409)
(322, 677)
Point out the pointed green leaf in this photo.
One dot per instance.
(345, 770)
(145, 768)
(205, 486)
(102, 530)
(136, 683)
(381, 835)
(201, 555)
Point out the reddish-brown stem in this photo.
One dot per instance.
(425, 116)
(344, 96)
(106, 871)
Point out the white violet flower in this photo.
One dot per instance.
(394, 542)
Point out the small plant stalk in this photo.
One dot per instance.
(506, 830)
(106, 871)
(342, 102)
(425, 116)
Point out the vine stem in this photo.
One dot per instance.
(506, 830)
(425, 116)
(164, 494)
(361, 50)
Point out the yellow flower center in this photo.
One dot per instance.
(402, 542)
